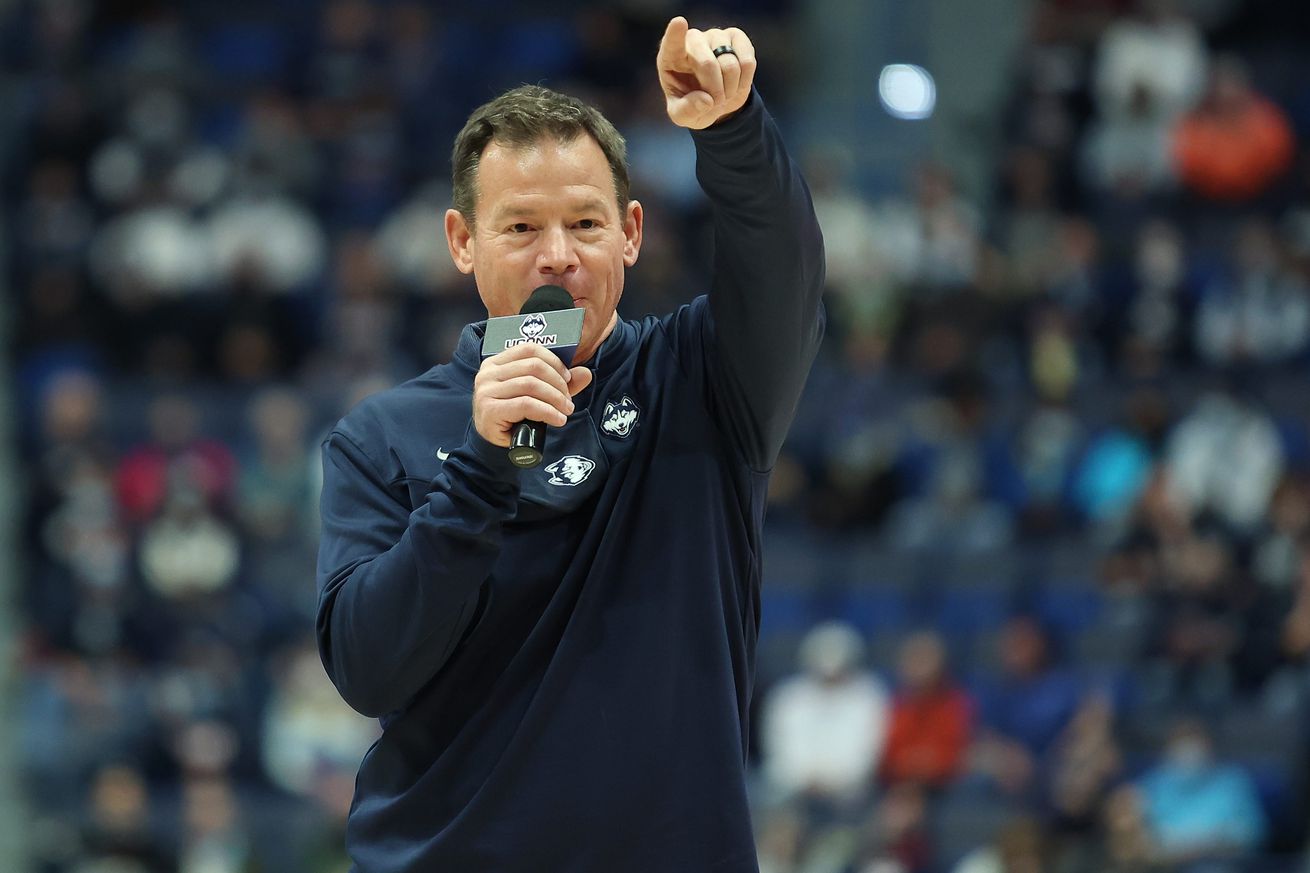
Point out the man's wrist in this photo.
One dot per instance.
(489, 455)
(733, 120)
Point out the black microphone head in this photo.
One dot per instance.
(547, 298)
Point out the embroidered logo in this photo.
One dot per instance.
(441, 454)
(570, 470)
(618, 419)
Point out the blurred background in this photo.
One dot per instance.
(1037, 588)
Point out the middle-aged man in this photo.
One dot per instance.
(562, 656)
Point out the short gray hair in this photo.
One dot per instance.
(523, 117)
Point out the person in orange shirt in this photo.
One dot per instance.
(1234, 144)
(931, 719)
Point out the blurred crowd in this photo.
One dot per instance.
(1038, 591)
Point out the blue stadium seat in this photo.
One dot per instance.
(962, 610)
(786, 610)
(1067, 610)
(245, 51)
(877, 608)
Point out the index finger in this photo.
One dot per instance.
(673, 45)
(523, 351)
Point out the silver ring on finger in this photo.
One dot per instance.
(725, 50)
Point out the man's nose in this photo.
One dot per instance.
(558, 253)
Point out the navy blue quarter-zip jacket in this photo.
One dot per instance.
(562, 657)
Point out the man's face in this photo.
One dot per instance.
(548, 215)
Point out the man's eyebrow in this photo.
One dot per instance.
(517, 209)
(589, 203)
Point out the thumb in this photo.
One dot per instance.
(579, 378)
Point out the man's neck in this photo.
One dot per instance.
(586, 353)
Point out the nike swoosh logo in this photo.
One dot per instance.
(442, 455)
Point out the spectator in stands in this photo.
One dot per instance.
(895, 838)
(119, 830)
(1236, 143)
(1197, 808)
(1277, 555)
(823, 730)
(858, 271)
(1030, 225)
(1047, 446)
(1156, 49)
(1020, 847)
(79, 713)
(1259, 311)
(175, 454)
(783, 841)
(273, 151)
(1026, 711)
(1295, 626)
(1126, 156)
(1128, 845)
(199, 701)
(308, 732)
(1199, 628)
(187, 551)
(1150, 68)
(274, 493)
(1157, 332)
(56, 222)
(949, 229)
(1116, 466)
(958, 473)
(80, 559)
(1085, 762)
(215, 838)
(931, 717)
(1225, 456)
(273, 484)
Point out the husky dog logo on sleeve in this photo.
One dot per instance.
(570, 470)
(619, 418)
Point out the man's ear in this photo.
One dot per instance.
(459, 239)
(632, 233)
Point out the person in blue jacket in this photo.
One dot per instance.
(561, 657)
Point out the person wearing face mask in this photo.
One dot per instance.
(562, 656)
(1197, 808)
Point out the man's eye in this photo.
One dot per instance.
(519, 228)
(588, 223)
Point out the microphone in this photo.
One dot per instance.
(547, 318)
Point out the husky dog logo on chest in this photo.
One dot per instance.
(619, 418)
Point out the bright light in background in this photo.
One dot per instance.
(907, 91)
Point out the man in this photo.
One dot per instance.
(562, 656)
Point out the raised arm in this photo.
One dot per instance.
(765, 318)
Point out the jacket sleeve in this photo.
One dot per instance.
(765, 315)
(397, 588)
